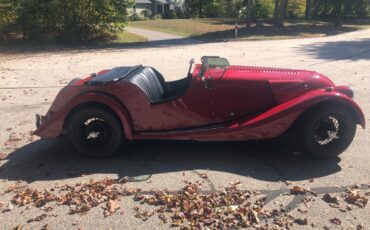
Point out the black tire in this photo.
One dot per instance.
(325, 131)
(95, 132)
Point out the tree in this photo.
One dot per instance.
(278, 13)
(337, 12)
(308, 9)
(249, 13)
(200, 9)
(70, 20)
(228, 8)
(284, 5)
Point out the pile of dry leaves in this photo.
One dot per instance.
(351, 197)
(80, 198)
(187, 208)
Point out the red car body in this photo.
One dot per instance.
(237, 103)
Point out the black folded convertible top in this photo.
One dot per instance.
(113, 75)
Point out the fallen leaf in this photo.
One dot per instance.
(297, 190)
(203, 175)
(9, 207)
(47, 208)
(304, 211)
(354, 197)
(3, 156)
(37, 218)
(111, 208)
(18, 227)
(336, 221)
(330, 199)
(301, 221)
(162, 217)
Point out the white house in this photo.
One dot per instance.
(158, 6)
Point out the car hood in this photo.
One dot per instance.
(285, 83)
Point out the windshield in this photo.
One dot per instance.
(215, 62)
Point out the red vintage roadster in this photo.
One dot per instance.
(217, 102)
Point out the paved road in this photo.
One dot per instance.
(152, 35)
(158, 165)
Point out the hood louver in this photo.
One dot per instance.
(262, 69)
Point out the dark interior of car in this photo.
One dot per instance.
(155, 87)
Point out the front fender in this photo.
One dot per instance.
(299, 105)
(53, 127)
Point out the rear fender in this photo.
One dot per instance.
(54, 126)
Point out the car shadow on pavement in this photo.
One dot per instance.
(274, 160)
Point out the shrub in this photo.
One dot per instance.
(181, 14)
(146, 13)
(135, 17)
(170, 15)
(156, 16)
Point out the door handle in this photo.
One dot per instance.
(205, 83)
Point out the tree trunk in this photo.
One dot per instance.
(337, 12)
(308, 9)
(285, 5)
(249, 13)
(229, 8)
(277, 11)
(200, 8)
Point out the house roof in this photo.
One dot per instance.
(160, 1)
(152, 1)
(143, 1)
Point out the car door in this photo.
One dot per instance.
(236, 97)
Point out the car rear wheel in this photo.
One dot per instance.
(95, 132)
(326, 132)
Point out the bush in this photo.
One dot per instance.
(264, 9)
(136, 17)
(296, 8)
(156, 16)
(180, 14)
(146, 13)
(170, 15)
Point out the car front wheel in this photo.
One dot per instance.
(95, 132)
(326, 132)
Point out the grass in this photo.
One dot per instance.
(223, 29)
(127, 37)
(186, 27)
(26, 46)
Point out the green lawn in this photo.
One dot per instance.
(223, 29)
(186, 27)
(127, 37)
(24, 46)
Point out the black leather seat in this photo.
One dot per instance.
(151, 82)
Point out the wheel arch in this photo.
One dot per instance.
(355, 112)
(112, 106)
